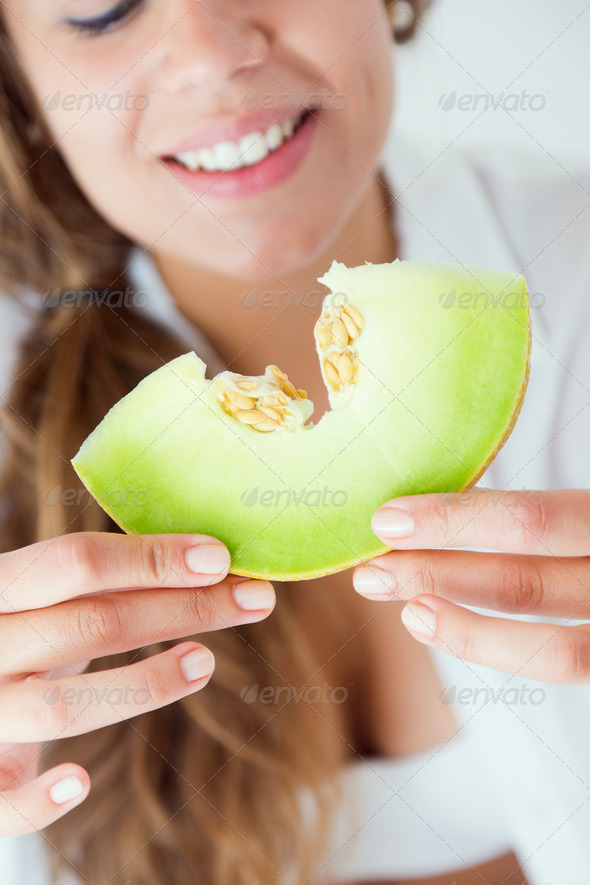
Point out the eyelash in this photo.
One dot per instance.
(93, 27)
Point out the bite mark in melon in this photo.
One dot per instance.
(424, 390)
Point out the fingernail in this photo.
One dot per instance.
(208, 559)
(66, 789)
(253, 595)
(419, 619)
(393, 523)
(197, 663)
(373, 582)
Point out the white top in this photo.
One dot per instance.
(430, 813)
(518, 772)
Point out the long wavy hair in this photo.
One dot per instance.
(202, 791)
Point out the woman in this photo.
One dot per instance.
(104, 110)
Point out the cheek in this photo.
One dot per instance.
(365, 74)
(90, 115)
(106, 161)
(351, 44)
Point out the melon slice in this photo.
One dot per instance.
(426, 367)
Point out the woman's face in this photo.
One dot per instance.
(173, 76)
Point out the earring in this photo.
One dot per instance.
(401, 15)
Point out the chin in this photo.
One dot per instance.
(288, 248)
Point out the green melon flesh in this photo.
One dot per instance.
(443, 367)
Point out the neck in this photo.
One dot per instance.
(244, 338)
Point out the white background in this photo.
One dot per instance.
(500, 47)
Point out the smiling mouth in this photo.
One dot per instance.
(251, 149)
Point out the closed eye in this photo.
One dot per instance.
(92, 27)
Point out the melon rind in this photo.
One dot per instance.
(440, 385)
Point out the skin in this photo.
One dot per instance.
(87, 595)
(544, 569)
(283, 239)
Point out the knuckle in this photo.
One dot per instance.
(78, 557)
(49, 718)
(156, 686)
(521, 587)
(156, 562)
(99, 623)
(440, 521)
(533, 521)
(425, 578)
(463, 647)
(202, 610)
(569, 656)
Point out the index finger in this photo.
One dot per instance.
(82, 563)
(549, 523)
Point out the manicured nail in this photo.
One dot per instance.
(253, 595)
(197, 663)
(208, 559)
(373, 582)
(66, 789)
(419, 619)
(391, 522)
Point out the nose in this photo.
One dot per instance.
(209, 45)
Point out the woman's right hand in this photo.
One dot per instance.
(81, 596)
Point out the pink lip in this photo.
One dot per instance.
(233, 130)
(251, 180)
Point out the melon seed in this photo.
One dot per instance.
(354, 315)
(278, 374)
(323, 333)
(351, 326)
(253, 416)
(339, 331)
(267, 424)
(272, 413)
(289, 389)
(344, 367)
(239, 400)
(332, 375)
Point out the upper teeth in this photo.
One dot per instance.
(252, 148)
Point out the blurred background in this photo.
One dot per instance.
(532, 57)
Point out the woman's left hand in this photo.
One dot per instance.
(543, 569)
